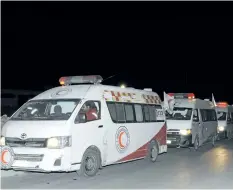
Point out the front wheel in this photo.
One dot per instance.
(196, 143)
(213, 140)
(90, 163)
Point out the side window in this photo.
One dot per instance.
(152, 112)
(120, 112)
(146, 113)
(203, 115)
(138, 112)
(112, 111)
(195, 115)
(214, 115)
(129, 113)
(90, 111)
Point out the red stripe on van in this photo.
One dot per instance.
(160, 137)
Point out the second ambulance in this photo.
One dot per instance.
(191, 121)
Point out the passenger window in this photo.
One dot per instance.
(90, 111)
(146, 113)
(195, 115)
(203, 115)
(120, 112)
(152, 112)
(214, 115)
(112, 111)
(138, 112)
(129, 113)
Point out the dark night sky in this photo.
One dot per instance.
(154, 44)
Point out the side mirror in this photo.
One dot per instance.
(81, 118)
(195, 119)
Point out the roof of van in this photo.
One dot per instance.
(95, 91)
(194, 103)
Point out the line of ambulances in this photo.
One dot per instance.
(83, 126)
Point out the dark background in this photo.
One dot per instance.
(172, 47)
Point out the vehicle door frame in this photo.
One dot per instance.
(195, 125)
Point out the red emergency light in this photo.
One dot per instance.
(182, 95)
(222, 104)
(80, 79)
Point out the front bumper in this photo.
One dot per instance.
(43, 160)
(174, 140)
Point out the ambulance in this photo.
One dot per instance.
(191, 121)
(82, 126)
(225, 120)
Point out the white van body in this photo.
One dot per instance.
(116, 140)
(225, 120)
(189, 121)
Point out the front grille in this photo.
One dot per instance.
(172, 133)
(29, 157)
(31, 142)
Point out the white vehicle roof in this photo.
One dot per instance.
(194, 103)
(99, 91)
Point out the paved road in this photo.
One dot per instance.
(179, 168)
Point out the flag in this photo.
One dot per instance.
(213, 100)
(168, 102)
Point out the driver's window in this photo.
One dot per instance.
(90, 111)
(195, 115)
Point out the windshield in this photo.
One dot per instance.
(180, 114)
(46, 110)
(222, 116)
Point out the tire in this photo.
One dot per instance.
(153, 151)
(90, 163)
(196, 143)
(213, 140)
(226, 135)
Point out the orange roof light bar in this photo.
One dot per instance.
(222, 104)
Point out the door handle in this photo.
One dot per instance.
(100, 126)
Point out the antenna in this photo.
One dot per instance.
(110, 77)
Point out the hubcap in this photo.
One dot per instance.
(90, 164)
(153, 152)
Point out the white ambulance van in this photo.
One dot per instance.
(191, 121)
(225, 120)
(84, 127)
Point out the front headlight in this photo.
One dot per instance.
(3, 141)
(185, 132)
(59, 142)
(220, 128)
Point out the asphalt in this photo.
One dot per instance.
(209, 167)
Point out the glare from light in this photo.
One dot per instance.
(122, 86)
(220, 128)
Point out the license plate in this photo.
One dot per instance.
(169, 142)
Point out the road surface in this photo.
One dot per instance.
(179, 168)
